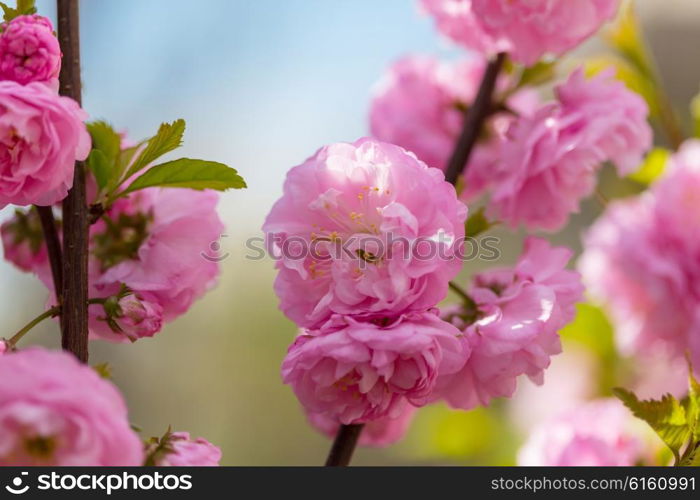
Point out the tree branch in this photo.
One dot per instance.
(74, 331)
(474, 120)
(344, 445)
(53, 247)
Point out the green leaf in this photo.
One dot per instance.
(477, 223)
(626, 38)
(24, 7)
(695, 111)
(540, 73)
(100, 166)
(105, 138)
(168, 138)
(104, 370)
(188, 173)
(652, 167)
(668, 417)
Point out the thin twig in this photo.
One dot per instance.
(344, 445)
(474, 120)
(74, 328)
(53, 247)
(51, 313)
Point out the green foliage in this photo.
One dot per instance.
(24, 7)
(539, 74)
(158, 447)
(627, 39)
(113, 166)
(188, 173)
(653, 166)
(477, 223)
(676, 422)
(168, 138)
(695, 112)
(104, 370)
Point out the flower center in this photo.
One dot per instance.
(121, 239)
(40, 448)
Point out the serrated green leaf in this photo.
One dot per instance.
(168, 138)
(189, 173)
(104, 138)
(477, 223)
(668, 418)
(100, 167)
(24, 7)
(652, 167)
(540, 73)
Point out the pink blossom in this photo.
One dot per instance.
(184, 451)
(41, 137)
(4, 347)
(512, 329)
(363, 228)
(57, 411)
(140, 316)
(420, 105)
(612, 119)
(30, 52)
(642, 259)
(549, 160)
(357, 372)
(599, 433)
(23, 241)
(158, 244)
(530, 29)
(377, 433)
(455, 19)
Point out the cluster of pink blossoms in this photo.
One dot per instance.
(525, 29)
(538, 161)
(420, 104)
(146, 264)
(372, 346)
(642, 258)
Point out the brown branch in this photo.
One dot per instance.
(53, 247)
(474, 120)
(74, 332)
(344, 445)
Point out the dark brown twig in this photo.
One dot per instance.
(344, 445)
(74, 336)
(474, 120)
(53, 247)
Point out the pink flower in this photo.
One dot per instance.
(420, 106)
(30, 52)
(157, 243)
(4, 347)
(455, 19)
(531, 29)
(363, 228)
(41, 137)
(600, 433)
(355, 372)
(140, 316)
(549, 160)
(59, 412)
(377, 433)
(642, 258)
(511, 329)
(23, 241)
(183, 451)
(612, 119)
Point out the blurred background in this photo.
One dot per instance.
(262, 84)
